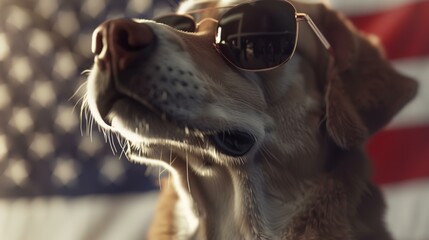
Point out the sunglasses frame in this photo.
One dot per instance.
(298, 17)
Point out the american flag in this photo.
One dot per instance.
(57, 184)
(400, 153)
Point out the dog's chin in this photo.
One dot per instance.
(156, 136)
(139, 124)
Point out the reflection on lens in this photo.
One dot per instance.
(259, 51)
(179, 22)
(258, 35)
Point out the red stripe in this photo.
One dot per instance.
(403, 31)
(401, 154)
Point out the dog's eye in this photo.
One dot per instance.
(233, 143)
(180, 22)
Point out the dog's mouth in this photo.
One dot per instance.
(138, 121)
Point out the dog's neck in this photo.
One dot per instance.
(235, 204)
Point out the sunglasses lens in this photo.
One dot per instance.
(179, 22)
(258, 35)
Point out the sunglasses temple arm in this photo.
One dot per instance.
(326, 44)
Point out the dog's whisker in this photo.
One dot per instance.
(171, 154)
(159, 178)
(83, 110)
(270, 154)
(201, 147)
(112, 146)
(80, 100)
(87, 117)
(125, 146)
(128, 151)
(86, 72)
(266, 156)
(171, 163)
(78, 90)
(90, 129)
(163, 170)
(160, 172)
(173, 160)
(104, 132)
(187, 171)
(322, 120)
(112, 138)
(122, 144)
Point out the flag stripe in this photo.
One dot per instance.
(407, 215)
(403, 30)
(416, 112)
(362, 7)
(400, 154)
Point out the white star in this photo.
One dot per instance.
(4, 47)
(18, 17)
(64, 66)
(40, 42)
(84, 44)
(65, 171)
(112, 170)
(43, 93)
(93, 8)
(3, 147)
(21, 119)
(67, 23)
(42, 145)
(161, 9)
(116, 13)
(65, 118)
(139, 6)
(4, 95)
(17, 172)
(90, 147)
(46, 8)
(21, 69)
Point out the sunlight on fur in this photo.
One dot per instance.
(257, 145)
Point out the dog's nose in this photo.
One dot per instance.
(118, 42)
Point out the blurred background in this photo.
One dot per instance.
(57, 183)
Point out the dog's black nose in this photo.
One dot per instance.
(118, 42)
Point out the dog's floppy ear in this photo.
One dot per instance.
(363, 91)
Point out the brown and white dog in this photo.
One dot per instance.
(181, 106)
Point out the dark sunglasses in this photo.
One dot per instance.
(253, 36)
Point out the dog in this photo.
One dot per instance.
(276, 153)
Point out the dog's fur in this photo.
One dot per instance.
(307, 177)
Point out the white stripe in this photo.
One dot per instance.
(408, 210)
(350, 7)
(353, 7)
(417, 111)
(81, 218)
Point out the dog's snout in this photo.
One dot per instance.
(119, 42)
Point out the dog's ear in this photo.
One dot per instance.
(363, 91)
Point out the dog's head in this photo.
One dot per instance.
(172, 96)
